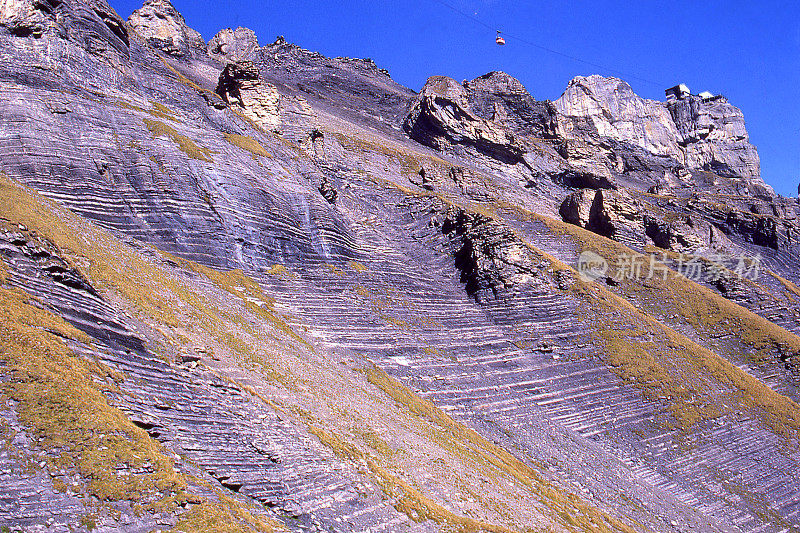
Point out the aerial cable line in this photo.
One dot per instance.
(550, 50)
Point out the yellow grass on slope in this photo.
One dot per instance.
(161, 297)
(670, 365)
(60, 396)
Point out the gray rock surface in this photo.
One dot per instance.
(441, 115)
(703, 134)
(714, 137)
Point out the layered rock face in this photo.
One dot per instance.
(253, 288)
(93, 26)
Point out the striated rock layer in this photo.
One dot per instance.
(253, 288)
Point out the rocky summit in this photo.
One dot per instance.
(251, 288)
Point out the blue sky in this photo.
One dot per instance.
(748, 51)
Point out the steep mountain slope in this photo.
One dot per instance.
(252, 288)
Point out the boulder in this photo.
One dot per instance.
(614, 212)
(164, 28)
(491, 258)
(576, 207)
(234, 45)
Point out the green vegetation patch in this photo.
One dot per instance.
(210, 517)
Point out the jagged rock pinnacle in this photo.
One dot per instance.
(164, 28)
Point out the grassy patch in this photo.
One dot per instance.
(672, 366)
(358, 267)
(61, 398)
(242, 286)
(410, 162)
(187, 82)
(210, 517)
(280, 271)
(248, 144)
(788, 285)
(461, 440)
(334, 269)
(161, 111)
(185, 144)
(401, 494)
(158, 110)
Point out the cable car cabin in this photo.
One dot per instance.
(499, 40)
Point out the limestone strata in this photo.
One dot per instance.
(348, 306)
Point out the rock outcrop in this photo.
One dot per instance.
(577, 207)
(491, 259)
(441, 116)
(700, 133)
(713, 136)
(163, 27)
(502, 99)
(613, 212)
(28, 17)
(617, 112)
(236, 45)
(240, 85)
(90, 24)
